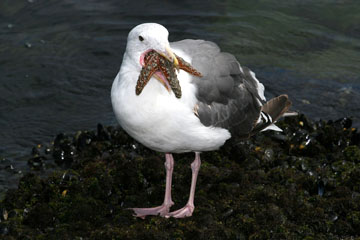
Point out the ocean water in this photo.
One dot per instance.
(58, 59)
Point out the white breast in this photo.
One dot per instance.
(159, 120)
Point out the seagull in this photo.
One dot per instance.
(226, 100)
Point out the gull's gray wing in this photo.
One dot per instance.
(229, 96)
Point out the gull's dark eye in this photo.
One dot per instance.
(141, 38)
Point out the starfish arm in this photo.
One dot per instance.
(168, 71)
(146, 73)
(187, 67)
(165, 70)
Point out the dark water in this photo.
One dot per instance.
(58, 58)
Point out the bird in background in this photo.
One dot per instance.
(215, 98)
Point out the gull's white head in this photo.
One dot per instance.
(145, 37)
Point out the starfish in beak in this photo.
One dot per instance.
(169, 55)
(162, 66)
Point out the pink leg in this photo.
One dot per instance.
(189, 207)
(165, 207)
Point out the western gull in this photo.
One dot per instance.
(226, 100)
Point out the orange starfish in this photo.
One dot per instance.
(158, 66)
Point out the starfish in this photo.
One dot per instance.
(164, 70)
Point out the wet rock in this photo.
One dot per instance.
(69, 177)
(102, 134)
(268, 154)
(64, 149)
(228, 213)
(321, 188)
(352, 154)
(345, 123)
(301, 183)
(41, 215)
(37, 162)
(28, 45)
(83, 139)
(4, 229)
(278, 136)
(35, 151)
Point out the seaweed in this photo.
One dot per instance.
(302, 183)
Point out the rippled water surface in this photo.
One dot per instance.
(58, 58)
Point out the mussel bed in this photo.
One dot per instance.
(301, 183)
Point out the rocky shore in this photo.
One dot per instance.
(303, 183)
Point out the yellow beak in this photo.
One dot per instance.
(169, 55)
